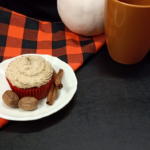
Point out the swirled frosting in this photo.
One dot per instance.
(29, 71)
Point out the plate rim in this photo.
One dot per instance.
(54, 110)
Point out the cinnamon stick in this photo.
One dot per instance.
(55, 86)
(52, 94)
(58, 77)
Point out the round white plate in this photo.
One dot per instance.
(63, 97)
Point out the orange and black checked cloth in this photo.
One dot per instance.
(21, 35)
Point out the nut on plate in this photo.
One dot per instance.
(10, 98)
(28, 103)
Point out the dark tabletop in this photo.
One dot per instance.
(110, 111)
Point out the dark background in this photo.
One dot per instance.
(110, 110)
(45, 10)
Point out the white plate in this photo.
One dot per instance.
(63, 97)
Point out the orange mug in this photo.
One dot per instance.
(127, 29)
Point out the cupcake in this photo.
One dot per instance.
(30, 75)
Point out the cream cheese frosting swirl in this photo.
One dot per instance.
(29, 71)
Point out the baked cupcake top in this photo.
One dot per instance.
(29, 71)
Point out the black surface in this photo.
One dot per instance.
(110, 111)
(45, 10)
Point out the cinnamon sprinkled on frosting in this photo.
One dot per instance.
(29, 71)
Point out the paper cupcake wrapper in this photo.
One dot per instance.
(38, 93)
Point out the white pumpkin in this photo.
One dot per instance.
(85, 17)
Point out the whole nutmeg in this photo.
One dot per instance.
(10, 98)
(28, 103)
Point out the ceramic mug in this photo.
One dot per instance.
(127, 29)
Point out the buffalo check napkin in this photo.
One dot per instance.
(22, 35)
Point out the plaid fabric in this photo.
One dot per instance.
(21, 35)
